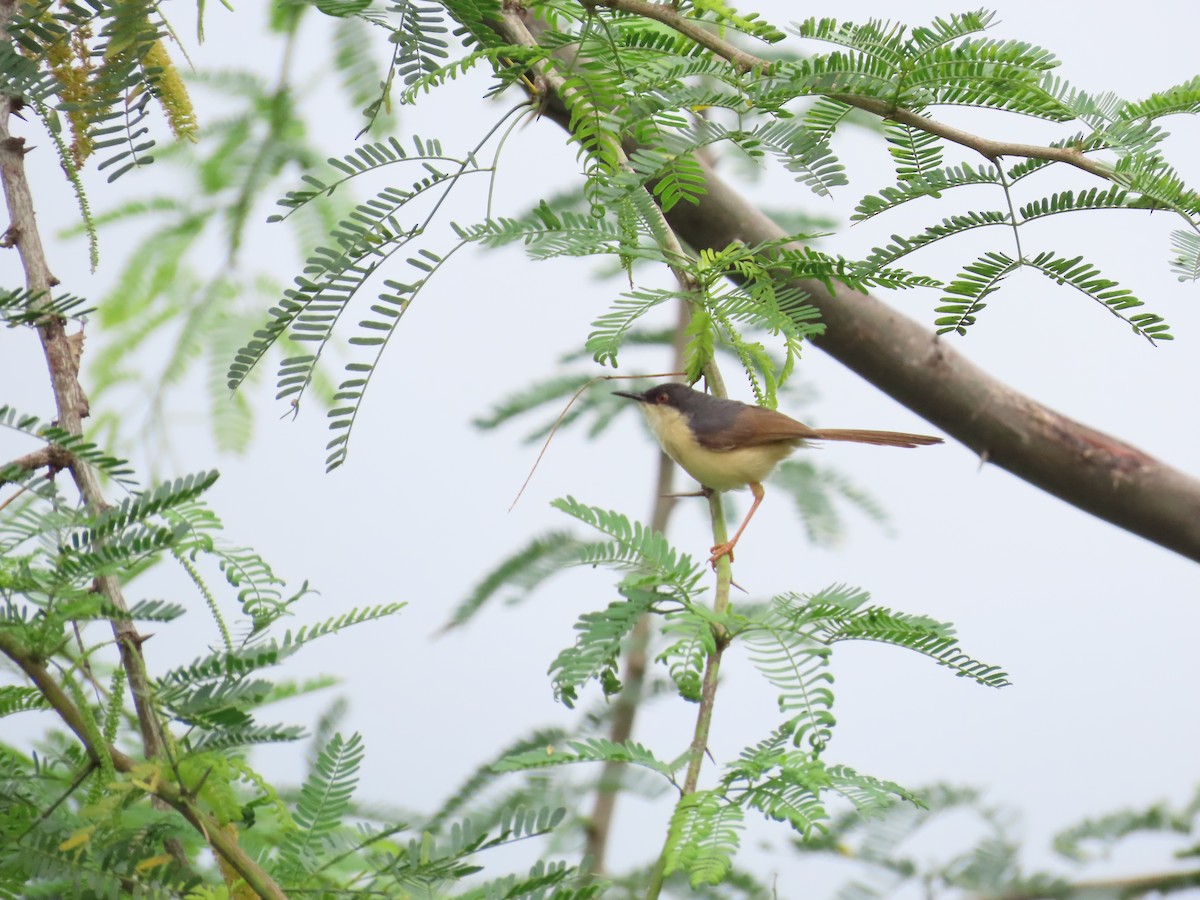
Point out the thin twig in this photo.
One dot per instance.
(673, 249)
(744, 62)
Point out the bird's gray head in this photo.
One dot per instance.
(707, 417)
(672, 394)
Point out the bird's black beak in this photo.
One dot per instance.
(641, 398)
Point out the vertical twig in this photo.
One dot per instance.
(512, 26)
(62, 353)
(633, 676)
(708, 690)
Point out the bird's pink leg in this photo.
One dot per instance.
(726, 549)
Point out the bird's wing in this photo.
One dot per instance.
(752, 426)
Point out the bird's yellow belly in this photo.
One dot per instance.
(724, 470)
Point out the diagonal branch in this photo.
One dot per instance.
(744, 62)
(1098, 473)
(1160, 883)
(220, 837)
(1087, 468)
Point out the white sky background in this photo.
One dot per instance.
(1095, 626)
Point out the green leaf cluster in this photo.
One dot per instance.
(791, 639)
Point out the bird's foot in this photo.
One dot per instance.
(719, 550)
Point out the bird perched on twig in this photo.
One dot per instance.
(725, 444)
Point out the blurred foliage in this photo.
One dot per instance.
(81, 817)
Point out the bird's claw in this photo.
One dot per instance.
(719, 550)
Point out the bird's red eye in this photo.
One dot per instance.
(660, 398)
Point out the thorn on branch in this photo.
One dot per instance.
(193, 792)
(136, 640)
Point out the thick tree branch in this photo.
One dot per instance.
(1160, 883)
(1087, 468)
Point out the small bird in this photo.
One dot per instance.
(725, 444)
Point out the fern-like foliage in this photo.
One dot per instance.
(783, 784)
(324, 799)
(598, 645)
(632, 546)
(1186, 261)
(432, 860)
(791, 641)
(790, 785)
(20, 307)
(15, 699)
(523, 571)
(915, 152)
(902, 246)
(472, 787)
(590, 750)
(337, 272)
(693, 640)
(553, 394)
(609, 331)
(334, 274)
(983, 856)
(106, 839)
(415, 33)
(149, 503)
(111, 466)
(929, 183)
(839, 613)
(89, 829)
(965, 295)
(799, 666)
(1086, 278)
(703, 837)
(1097, 836)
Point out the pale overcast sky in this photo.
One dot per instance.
(1095, 626)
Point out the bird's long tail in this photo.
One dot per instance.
(880, 438)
